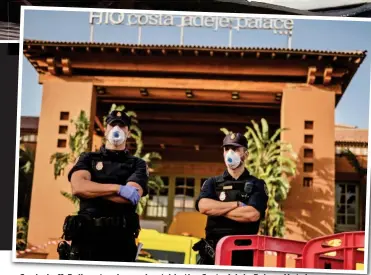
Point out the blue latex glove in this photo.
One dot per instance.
(130, 193)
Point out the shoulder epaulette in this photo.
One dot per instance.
(94, 155)
(219, 179)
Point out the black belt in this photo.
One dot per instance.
(110, 222)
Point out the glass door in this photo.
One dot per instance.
(347, 206)
(178, 195)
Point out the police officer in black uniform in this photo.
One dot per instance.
(109, 184)
(235, 203)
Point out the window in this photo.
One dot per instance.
(347, 206)
(184, 195)
(63, 129)
(308, 124)
(158, 202)
(308, 139)
(308, 167)
(62, 143)
(64, 116)
(307, 182)
(308, 153)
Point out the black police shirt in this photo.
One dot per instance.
(112, 167)
(220, 225)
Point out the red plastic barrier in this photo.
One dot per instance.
(259, 244)
(347, 255)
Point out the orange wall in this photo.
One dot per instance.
(48, 206)
(343, 165)
(309, 211)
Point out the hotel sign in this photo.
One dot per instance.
(281, 26)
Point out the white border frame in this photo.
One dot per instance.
(8, 41)
(199, 267)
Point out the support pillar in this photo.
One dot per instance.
(61, 102)
(309, 113)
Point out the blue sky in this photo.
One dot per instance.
(353, 108)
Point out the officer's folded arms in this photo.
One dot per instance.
(83, 187)
(233, 210)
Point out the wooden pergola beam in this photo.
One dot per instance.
(327, 76)
(66, 66)
(200, 65)
(51, 65)
(311, 76)
(219, 118)
(190, 95)
(201, 128)
(189, 141)
(188, 102)
(175, 83)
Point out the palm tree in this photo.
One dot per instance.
(26, 166)
(271, 160)
(353, 160)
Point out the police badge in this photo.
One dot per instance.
(99, 166)
(222, 196)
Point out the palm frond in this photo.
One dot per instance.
(225, 131)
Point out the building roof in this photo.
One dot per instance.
(331, 68)
(29, 123)
(355, 53)
(348, 134)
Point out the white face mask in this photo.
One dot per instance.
(232, 159)
(116, 136)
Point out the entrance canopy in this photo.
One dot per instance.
(183, 95)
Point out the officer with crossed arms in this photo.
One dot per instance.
(235, 203)
(109, 184)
